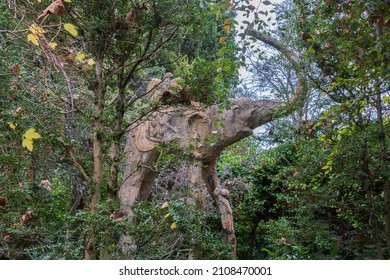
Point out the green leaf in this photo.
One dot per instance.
(326, 172)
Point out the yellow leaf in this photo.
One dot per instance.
(91, 62)
(68, 1)
(53, 45)
(28, 144)
(71, 29)
(15, 225)
(165, 205)
(11, 125)
(33, 39)
(167, 215)
(173, 226)
(31, 134)
(36, 29)
(80, 56)
(222, 40)
(39, 1)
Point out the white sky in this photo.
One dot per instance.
(260, 7)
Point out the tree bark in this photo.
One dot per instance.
(115, 145)
(97, 177)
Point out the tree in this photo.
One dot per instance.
(350, 48)
(339, 158)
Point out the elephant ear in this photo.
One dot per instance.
(154, 131)
(141, 140)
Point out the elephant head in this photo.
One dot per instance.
(247, 114)
(234, 124)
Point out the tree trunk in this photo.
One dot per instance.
(115, 145)
(97, 178)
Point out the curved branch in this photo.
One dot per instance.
(276, 44)
(301, 89)
(79, 167)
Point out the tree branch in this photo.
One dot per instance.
(301, 89)
(79, 166)
(278, 45)
(145, 55)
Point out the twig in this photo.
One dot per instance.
(58, 32)
(79, 166)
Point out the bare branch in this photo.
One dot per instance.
(301, 89)
(278, 45)
(145, 55)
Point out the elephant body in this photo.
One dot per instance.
(204, 132)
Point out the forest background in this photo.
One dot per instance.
(311, 185)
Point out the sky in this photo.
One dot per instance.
(260, 7)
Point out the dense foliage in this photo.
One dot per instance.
(323, 192)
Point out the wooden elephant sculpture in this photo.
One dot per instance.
(204, 132)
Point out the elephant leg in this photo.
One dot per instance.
(149, 177)
(137, 184)
(130, 189)
(197, 186)
(139, 179)
(209, 174)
